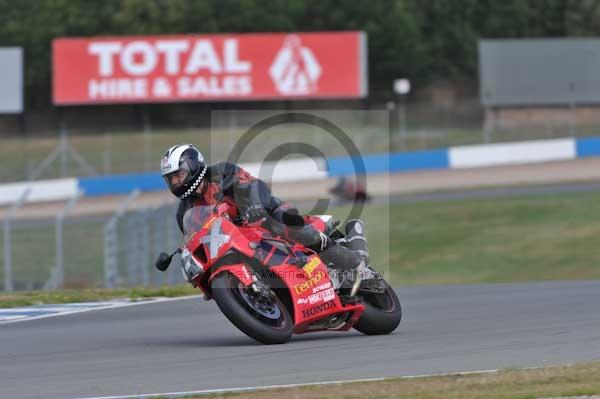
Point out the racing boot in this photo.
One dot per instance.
(349, 269)
(339, 257)
(344, 266)
(355, 240)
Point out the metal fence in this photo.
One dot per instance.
(66, 251)
(69, 152)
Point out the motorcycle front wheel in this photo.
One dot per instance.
(382, 314)
(267, 320)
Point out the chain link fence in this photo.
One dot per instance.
(90, 251)
(133, 243)
(70, 151)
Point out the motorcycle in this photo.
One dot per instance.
(270, 288)
(346, 191)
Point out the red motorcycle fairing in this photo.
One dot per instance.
(239, 270)
(314, 297)
(315, 304)
(216, 237)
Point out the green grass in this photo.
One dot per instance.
(487, 241)
(27, 298)
(578, 380)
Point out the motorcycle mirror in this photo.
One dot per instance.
(163, 261)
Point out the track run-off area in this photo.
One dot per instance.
(188, 345)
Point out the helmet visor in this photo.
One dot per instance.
(176, 180)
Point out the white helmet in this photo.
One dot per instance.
(183, 168)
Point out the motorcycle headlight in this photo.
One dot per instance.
(189, 266)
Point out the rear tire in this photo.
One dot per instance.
(228, 292)
(382, 314)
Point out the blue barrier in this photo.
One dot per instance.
(395, 162)
(588, 147)
(375, 163)
(338, 166)
(121, 184)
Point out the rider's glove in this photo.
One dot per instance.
(254, 213)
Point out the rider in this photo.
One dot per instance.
(195, 183)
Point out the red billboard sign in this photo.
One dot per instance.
(265, 66)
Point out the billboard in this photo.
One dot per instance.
(518, 72)
(264, 66)
(11, 80)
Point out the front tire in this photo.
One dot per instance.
(382, 314)
(268, 324)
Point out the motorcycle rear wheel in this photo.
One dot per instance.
(269, 323)
(382, 314)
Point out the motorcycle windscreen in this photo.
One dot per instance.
(197, 218)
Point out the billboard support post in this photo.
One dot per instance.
(64, 145)
(573, 108)
(147, 139)
(402, 89)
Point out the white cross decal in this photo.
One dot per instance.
(215, 240)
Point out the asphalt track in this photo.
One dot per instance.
(188, 345)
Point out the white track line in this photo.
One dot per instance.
(271, 387)
(91, 309)
(575, 397)
(11, 318)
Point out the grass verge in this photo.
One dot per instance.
(534, 238)
(578, 380)
(27, 298)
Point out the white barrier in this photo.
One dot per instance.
(288, 170)
(511, 153)
(43, 190)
